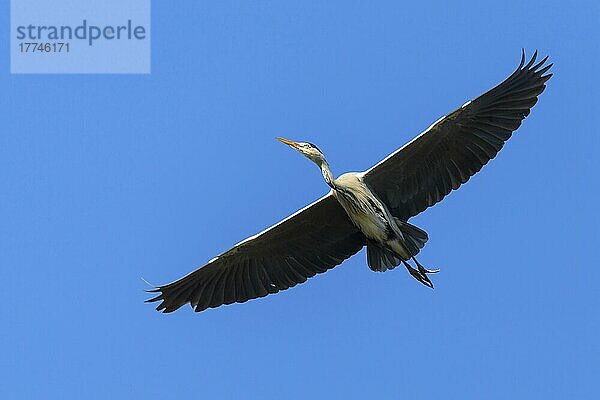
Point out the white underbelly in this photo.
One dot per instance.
(373, 228)
(370, 223)
(364, 208)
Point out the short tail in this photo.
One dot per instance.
(414, 237)
(380, 259)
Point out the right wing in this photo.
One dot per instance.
(457, 146)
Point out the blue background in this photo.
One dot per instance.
(108, 178)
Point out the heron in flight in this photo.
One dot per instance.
(369, 208)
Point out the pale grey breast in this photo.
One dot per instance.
(362, 206)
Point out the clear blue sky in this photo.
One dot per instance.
(108, 178)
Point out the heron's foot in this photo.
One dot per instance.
(424, 270)
(419, 274)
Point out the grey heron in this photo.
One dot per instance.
(369, 208)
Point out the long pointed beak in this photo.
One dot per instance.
(288, 142)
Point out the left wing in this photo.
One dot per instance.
(309, 242)
(457, 146)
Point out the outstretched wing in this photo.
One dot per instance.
(309, 242)
(455, 147)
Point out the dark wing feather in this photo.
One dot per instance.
(307, 243)
(457, 146)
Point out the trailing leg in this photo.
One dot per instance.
(424, 270)
(420, 273)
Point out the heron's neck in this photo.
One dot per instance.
(327, 174)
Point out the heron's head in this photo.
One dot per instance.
(309, 150)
